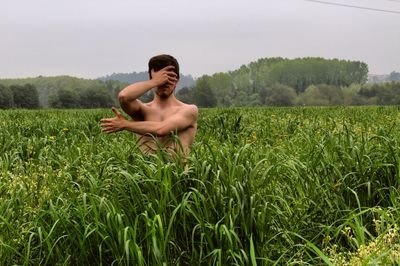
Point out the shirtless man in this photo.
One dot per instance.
(156, 122)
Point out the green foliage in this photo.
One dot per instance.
(47, 87)
(351, 95)
(246, 86)
(300, 73)
(185, 95)
(382, 94)
(65, 98)
(265, 186)
(202, 94)
(95, 97)
(6, 97)
(114, 87)
(322, 94)
(243, 86)
(279, 95)
(25, 96)
(222, 85)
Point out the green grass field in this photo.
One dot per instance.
(284, 186)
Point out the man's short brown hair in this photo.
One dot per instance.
(158, 62)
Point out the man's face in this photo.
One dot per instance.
(164, 91)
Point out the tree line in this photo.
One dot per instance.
(265, 82)
(289, 82)
(92, 97)
(70, 92)
(315, 95)
(27, 96)
(19, 96)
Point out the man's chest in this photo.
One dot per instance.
(159, 115)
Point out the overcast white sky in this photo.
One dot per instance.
(92, 38)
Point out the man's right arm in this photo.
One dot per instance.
(128, 97)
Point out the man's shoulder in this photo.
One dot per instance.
(190, 108)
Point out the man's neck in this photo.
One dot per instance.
(164, 102)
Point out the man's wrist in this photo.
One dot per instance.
(125, 124)
(152, 83)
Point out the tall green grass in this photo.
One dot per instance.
(267, 186)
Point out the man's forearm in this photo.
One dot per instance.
(143, 127)
(134, 91)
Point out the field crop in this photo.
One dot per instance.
(262, 186)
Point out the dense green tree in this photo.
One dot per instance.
(279, 95)
(375, 94)
(114, 87)
(253, 100)
(388, 94)
(65, 98)
(263, 96)
(332, 93)
(185, 95)
(222, 87)
(96, 97)
(303, 72)
(369, 91)
(321, 94)
(203, 96)
(6, 97)
(25, 96)
(351, 95)
(312, 97)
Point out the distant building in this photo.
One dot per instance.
(373, 78)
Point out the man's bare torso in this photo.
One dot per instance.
(180, 142)
(163, 124)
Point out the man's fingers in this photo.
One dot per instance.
(170, 82)
(167, 68)
(171, 73)
(116, 112)
(106, 125)
(109, 130)
(172, 78)
(107, 121)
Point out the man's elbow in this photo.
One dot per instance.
(123, 97)
(161, 132)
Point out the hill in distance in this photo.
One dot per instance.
(129, 78)
(46, 86)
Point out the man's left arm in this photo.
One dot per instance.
(183, 119)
